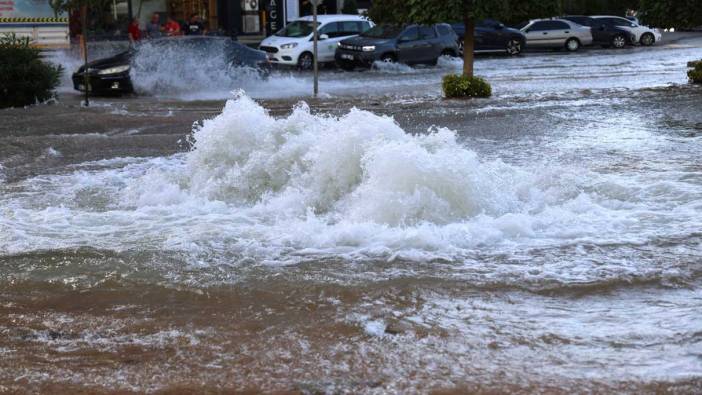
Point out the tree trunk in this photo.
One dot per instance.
(468, 38)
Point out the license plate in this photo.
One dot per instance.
(346, 56)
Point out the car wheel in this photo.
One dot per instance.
(514, 47)
(388, 58)
(306, 61)
(619, 41)
(572, 44)
(647, 39)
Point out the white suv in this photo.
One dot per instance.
(292, 45)
(643, 35)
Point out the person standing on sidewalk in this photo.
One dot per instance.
(134, 31)
(195, 27)
(153, 28)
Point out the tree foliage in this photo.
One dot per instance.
(433, 11)
(350, 7)
(695, 74)
(24, 78)
(680, 14)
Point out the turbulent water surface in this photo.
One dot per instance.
(548, 239)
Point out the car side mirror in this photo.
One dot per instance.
(323, 37)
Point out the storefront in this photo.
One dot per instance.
(229, 17)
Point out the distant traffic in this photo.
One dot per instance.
(352, 41)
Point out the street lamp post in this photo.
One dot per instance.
(315, 3)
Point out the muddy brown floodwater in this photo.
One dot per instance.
(546, 240)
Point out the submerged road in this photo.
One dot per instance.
(546, 239)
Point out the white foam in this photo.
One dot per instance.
(296, 188)
(188, 73)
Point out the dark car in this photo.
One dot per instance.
(604, 33)
(413, 44)
(492, 36)
(112, 75)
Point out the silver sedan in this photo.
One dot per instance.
(556, 33)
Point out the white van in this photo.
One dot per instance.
(292, 45)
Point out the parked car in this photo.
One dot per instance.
(556, 33)
(293, 45)
(644, 35)
(411, 44)
(604, 33)
(492, 36)
(112, 75)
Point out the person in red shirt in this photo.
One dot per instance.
(172, 28)
(134, 31)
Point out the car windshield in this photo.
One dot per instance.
(521, 25)
(297, 29)
(383, 31)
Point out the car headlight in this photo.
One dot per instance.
(288, 46)
(114, 70)
(368, 48)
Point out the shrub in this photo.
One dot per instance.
(456, 86)
(695, 74)
(24, 78)
(350, 7)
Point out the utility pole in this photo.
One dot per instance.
(315, 3)
(84, 44)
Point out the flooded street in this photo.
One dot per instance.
(378, 239)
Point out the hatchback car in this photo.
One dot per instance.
(643, 35)
(556, 33)
(492, 36)
(293, 45)
(604, 33)
(413, 44)
(112, 75)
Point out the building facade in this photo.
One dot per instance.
(254, 18)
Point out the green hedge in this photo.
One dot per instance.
(24, 78)
(696, 73)
(457, 86)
